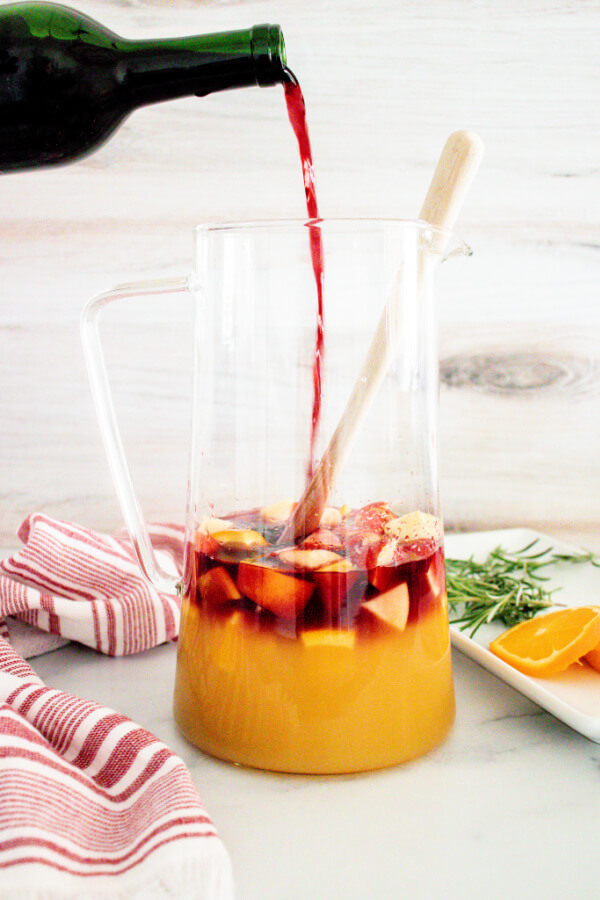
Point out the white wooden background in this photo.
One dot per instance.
(385, 83)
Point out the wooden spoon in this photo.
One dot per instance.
(449, 186)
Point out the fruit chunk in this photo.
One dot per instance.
(593, 658)
(284, 595)
(390, 608)
(329, 637)
(407, 539)
(216, 587)
(364, 529)
(550, 643)
(415, 526)
(209, 525)
(321, 539)
(331, 517)
(334, 582)
(205, 543)
(278, 513)
(308, 559)
(232, 539)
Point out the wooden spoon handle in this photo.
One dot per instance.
(453, 176)
(451, 181)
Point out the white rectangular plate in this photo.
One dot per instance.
(574, 695)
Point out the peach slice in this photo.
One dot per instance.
(308, 559)
(329, 637)
(242, 540)
(278, 513)
(334, 582)
(284, 595)
(390, 608)
(216, 587)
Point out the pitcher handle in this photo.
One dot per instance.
(109, 428)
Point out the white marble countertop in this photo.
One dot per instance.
(507, 806)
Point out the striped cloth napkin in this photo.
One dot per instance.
(92, 805)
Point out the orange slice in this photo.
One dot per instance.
(550, 643)
(593, 658)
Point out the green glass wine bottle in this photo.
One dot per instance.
(66, 82)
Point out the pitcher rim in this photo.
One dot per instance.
(460, 246)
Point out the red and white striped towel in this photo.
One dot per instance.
(92, 805)
(85, 586)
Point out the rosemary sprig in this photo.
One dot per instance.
(508, 587)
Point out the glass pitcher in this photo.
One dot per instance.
(329, 653)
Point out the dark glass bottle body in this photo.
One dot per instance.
(66, 82)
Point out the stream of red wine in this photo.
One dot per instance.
(296, 109)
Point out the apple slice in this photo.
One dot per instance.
(373, 518)
(415, 526)
(427, 581)
(334, 582)
(363, 529)
(383, 577)
(216, 587)
(238, 541)
(210, 524)
(329, 637)
(204, 543)
(278, 513)
(321, 539)
(330, 518)
(390, 608)
(284, 595)
(308, 559)
(203, 540)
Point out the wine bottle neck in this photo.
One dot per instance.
(156, 70)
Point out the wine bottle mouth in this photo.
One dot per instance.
(268, 53)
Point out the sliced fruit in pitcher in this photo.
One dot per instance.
(330, 518)
(390, 608)
(278, 513)
(239, 540)
(321, 539)
(408, 539)
(216, 587)
(284, 595)
(334, 582)
(308, 559)
(329, 637)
